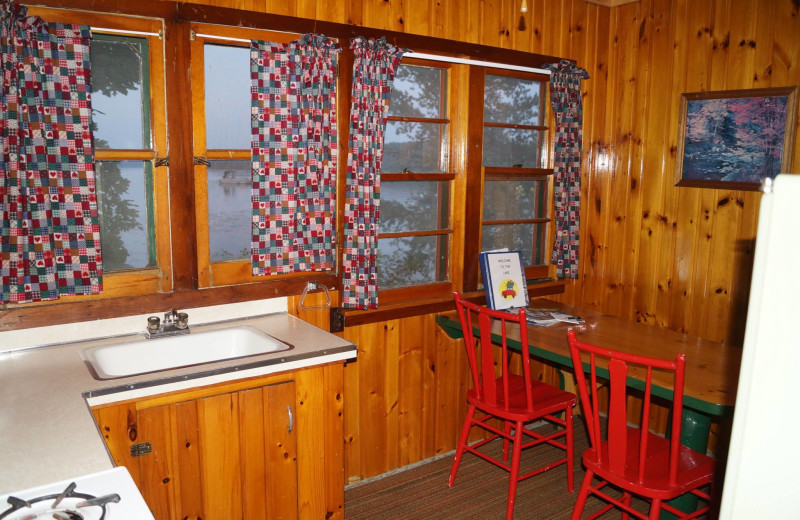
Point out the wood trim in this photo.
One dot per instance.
(474, 174)
(90, 310)
(180, 12)
(107, 154)
(413, 176)
(611, 3)
(181, 169)
(446, 303)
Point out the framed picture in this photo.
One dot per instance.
(735, 138)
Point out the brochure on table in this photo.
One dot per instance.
(506, 288)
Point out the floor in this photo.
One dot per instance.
(479, 492)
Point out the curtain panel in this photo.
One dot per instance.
(565, 96)
(374, 66)
(294, 153)
(50, 235)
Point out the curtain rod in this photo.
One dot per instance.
(419, 56)
(125, 31)
(467, 61)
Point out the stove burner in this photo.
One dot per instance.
(59, 513)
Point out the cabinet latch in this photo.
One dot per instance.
(143, 448)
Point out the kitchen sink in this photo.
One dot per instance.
(153, 355)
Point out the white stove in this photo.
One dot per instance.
(108, 495)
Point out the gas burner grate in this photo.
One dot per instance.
(58, 509)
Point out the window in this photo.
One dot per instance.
(222, 149)
(128, 108)
(516, 188)
(414, 236)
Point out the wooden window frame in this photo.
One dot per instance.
(447, 174)
(479, 174)
(176, 283)
(132, 282)
(230, 272)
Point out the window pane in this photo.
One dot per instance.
(509, 147)
(514, 200)
(417, 92)
(511, 101)
(120, 90)
(227, 73)
(229, 210)
(411, 261)
(414, 146)
(520, 237)
(412, 206)
(122, 207)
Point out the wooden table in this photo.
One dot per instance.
(712, 369)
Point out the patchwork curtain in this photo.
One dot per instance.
(50, 236)
(374, 66)
(565, 96)
(294, 152)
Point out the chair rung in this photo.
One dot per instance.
(542, 469)
(487, 458)
(601, 512)
(485, 441)
(490, 428)
(614, 501)
(682, 514)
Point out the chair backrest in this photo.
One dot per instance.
(482, 366)
(614, 366)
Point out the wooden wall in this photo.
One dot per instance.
(672, 257)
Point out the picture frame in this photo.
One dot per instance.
(734, 139)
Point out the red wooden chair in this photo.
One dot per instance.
(634, 459)
(513, 399)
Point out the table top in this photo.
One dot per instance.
(712, 368)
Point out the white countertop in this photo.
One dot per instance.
(47, 432)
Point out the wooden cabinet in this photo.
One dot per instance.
(266, 448)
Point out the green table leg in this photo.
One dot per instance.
(694, 435)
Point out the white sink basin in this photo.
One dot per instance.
(153, 355)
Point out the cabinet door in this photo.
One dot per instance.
(224, 457)
(269, 452)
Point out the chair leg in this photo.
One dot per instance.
(626, 499)
(570, 451)
(507, 430)
(583, 494)
(655, 509)
(462, 442)
(513, 478)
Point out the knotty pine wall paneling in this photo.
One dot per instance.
(675, 257)
(667, 256)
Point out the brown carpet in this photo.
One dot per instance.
(480, 490)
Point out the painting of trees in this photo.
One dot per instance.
(737, 138)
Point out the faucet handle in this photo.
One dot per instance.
(182, 320)
(153, 324)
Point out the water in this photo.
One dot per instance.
(229, 214)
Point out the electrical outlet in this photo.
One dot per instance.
(337, 319)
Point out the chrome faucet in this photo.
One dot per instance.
(174, 323)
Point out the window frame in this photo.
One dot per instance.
(228, 272)
(158, 278)
(446, 175)
(178, 281)
(452, 157)
(480, 174)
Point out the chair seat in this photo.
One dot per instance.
(694, 469)
(546, 400)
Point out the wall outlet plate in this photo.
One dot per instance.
(337, 320)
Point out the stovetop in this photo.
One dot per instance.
(81, 494)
